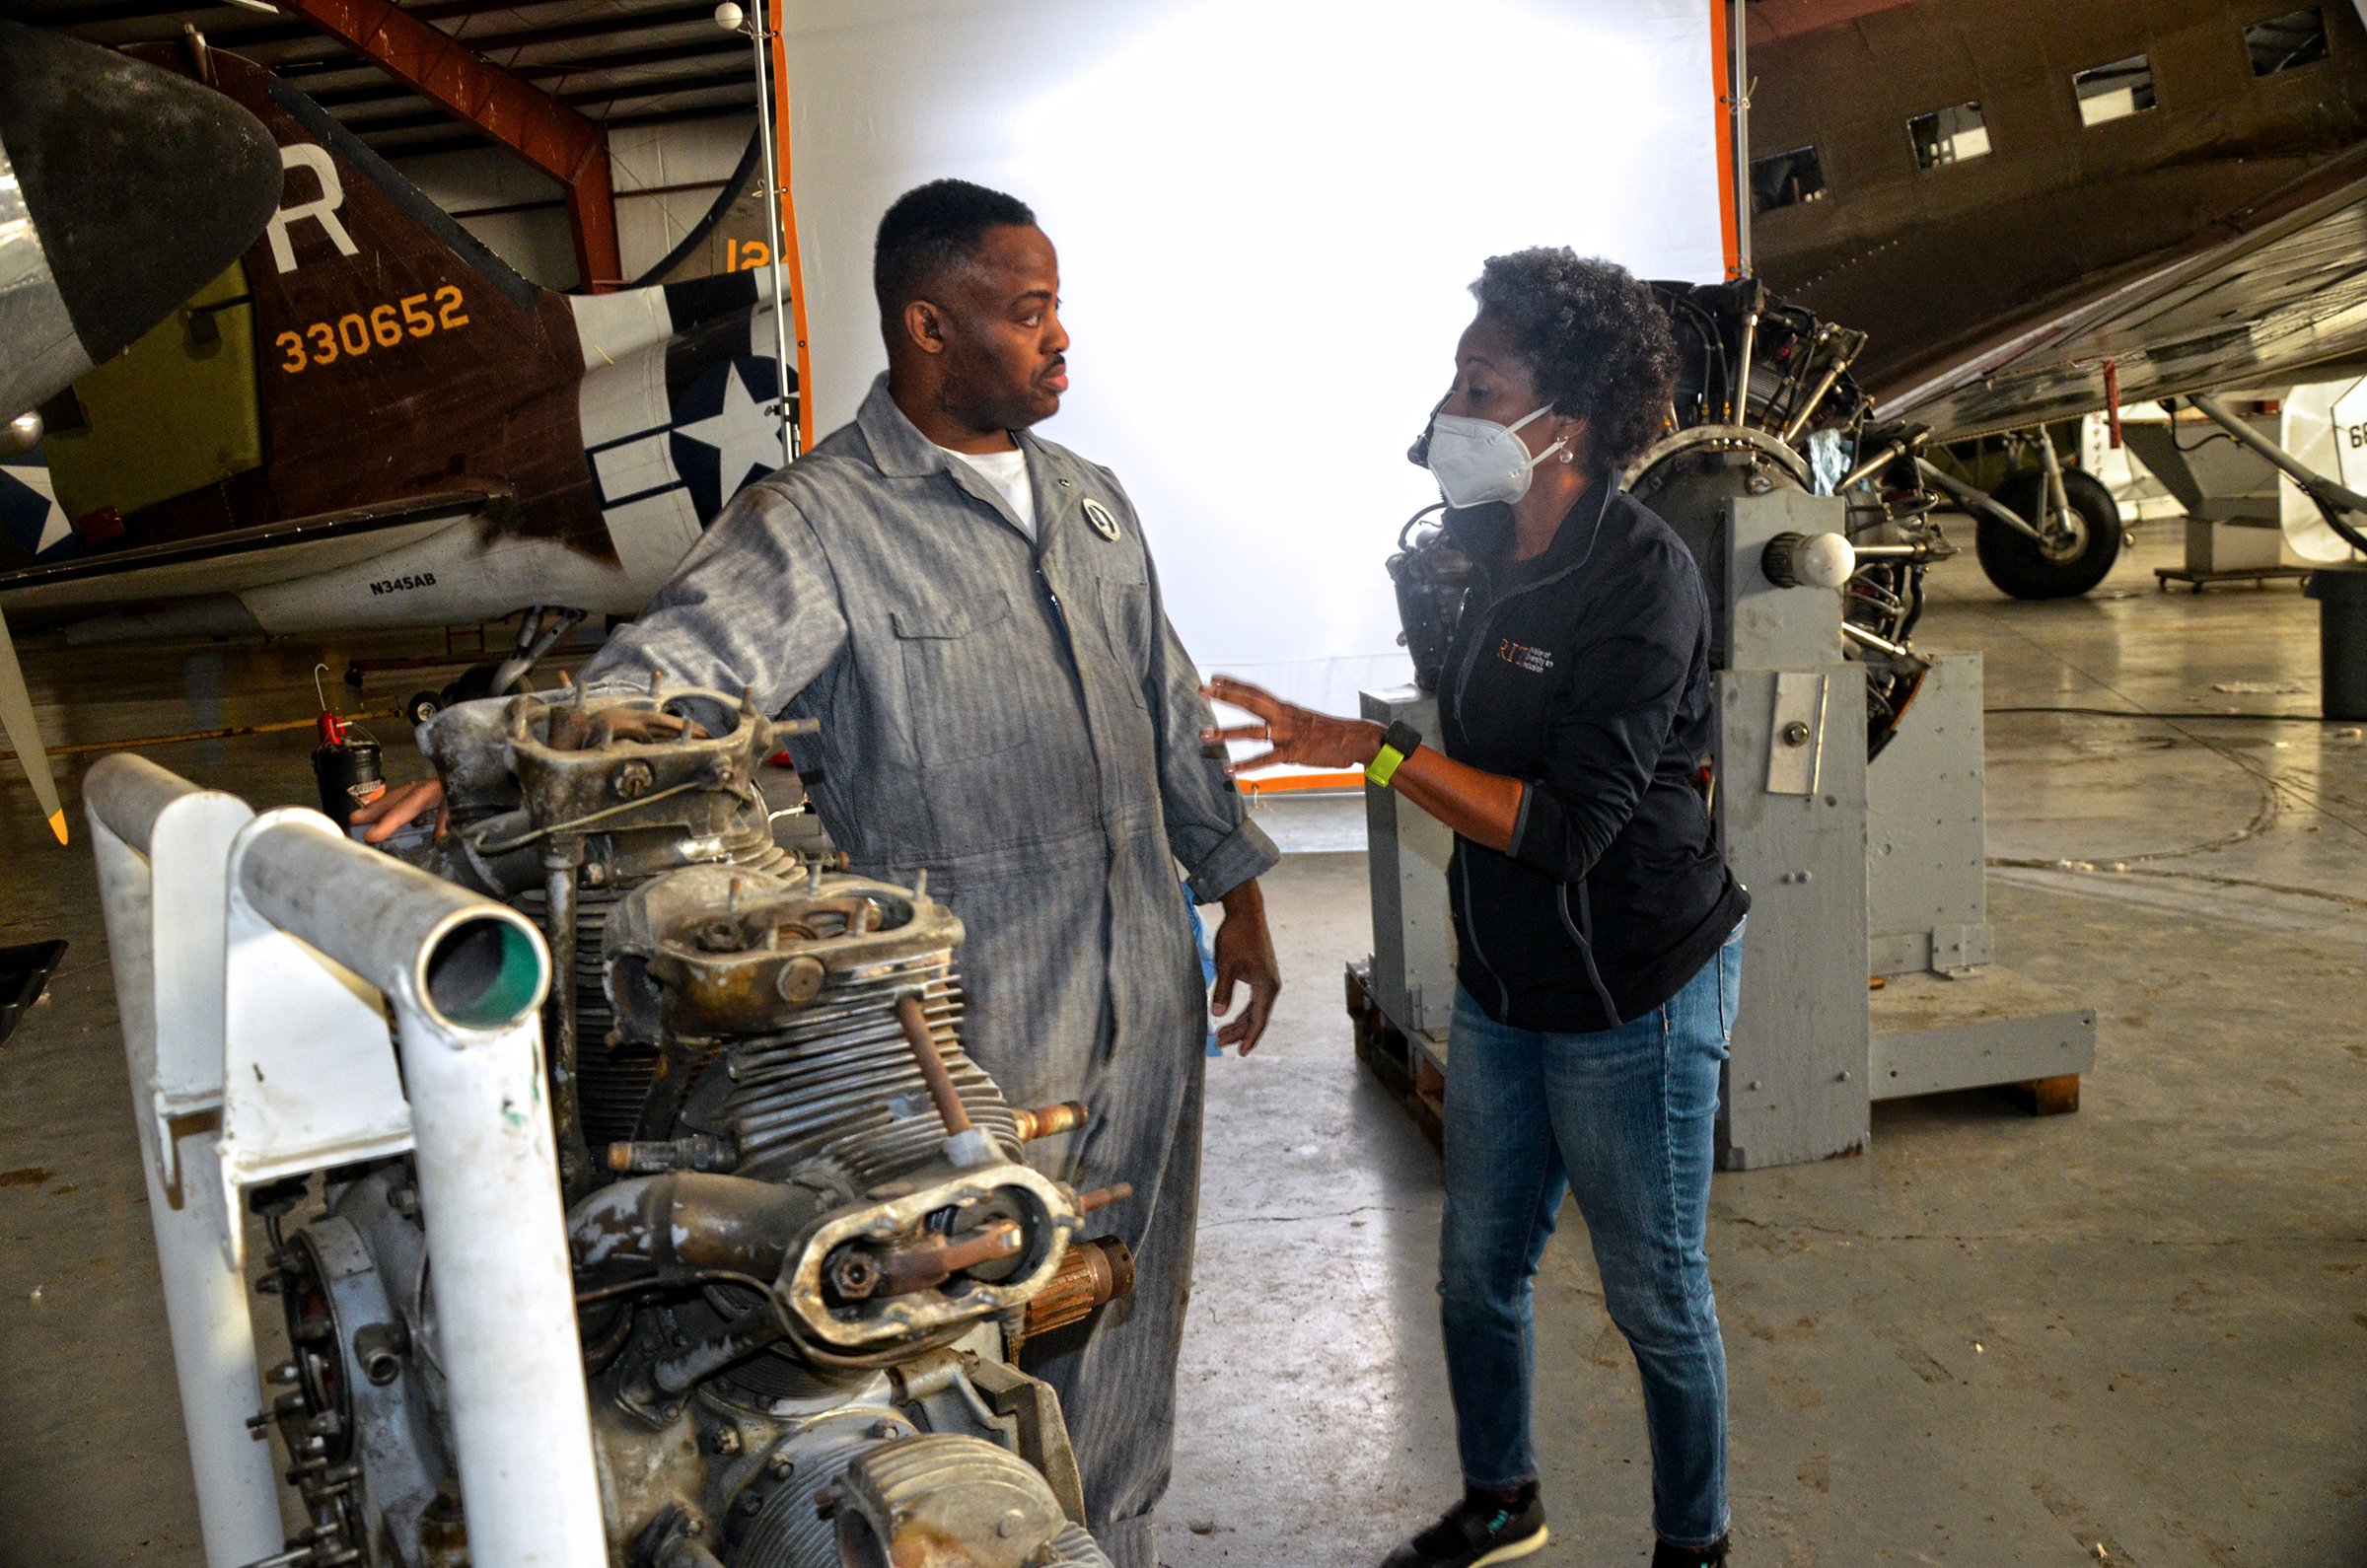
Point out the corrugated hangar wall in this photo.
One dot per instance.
(666, 177)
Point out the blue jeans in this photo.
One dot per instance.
(1624, 1119)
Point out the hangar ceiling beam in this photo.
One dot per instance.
(615, 123)
(144, 10)
(566, 33)
(547, 133)
(696, 49)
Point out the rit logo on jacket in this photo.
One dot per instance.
(1537, 661)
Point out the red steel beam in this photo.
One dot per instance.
(582, 65)
(487, 43)
(565, 145)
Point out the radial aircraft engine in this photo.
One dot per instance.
(807, 1249)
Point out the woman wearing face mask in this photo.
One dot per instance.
(1598, 930)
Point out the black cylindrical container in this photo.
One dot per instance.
(2342, 594)
(1432, 576)
(348, 775)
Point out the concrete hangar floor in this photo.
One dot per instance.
(2136, 1334)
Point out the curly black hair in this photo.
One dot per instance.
(1597, 342)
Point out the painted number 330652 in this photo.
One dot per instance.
(352, 335)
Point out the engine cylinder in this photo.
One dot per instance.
(792, 1191)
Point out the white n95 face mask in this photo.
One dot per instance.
(1477, 460)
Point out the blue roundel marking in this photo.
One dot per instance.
(725, 434)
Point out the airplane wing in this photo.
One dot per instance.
(243, 558)
(248, 557)
(2274, 295)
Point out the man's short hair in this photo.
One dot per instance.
(929, 228)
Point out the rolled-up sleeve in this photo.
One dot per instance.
(755, 607)
(1610, 726)
(1208, 829)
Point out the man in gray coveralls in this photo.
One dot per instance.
(972, 612)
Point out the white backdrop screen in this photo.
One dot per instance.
(1267, 213)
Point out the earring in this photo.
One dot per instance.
(1568, 455)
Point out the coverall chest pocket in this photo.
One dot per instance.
(1127, 622)
(972, 683)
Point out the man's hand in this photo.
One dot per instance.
(1245, 954)
(1298, 735)
(387, 815)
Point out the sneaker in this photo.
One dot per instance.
(1474, 1532)
(1712, 1555)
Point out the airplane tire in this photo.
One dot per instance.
(2019, 565)
(423, 706)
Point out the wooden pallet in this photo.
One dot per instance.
(2045, 1096)
(1963, 1014)
(1407, 1073)
(1932, 1034)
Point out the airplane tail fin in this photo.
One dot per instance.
(16, 718)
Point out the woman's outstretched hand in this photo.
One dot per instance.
(388, 815)
(1296, 734)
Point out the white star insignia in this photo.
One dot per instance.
(746, 435)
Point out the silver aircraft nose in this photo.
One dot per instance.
(124, 189)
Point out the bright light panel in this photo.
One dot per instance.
(1267, 214)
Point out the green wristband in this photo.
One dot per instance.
(1400, 742)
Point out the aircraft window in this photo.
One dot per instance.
(2280, 43)
(1955, 135)
(2115, 90)
(1786, 179)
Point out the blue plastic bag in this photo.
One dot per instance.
(1200, 945)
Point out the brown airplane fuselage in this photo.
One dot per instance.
(373, 420)
(2209, 237)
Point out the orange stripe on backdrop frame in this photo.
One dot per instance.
(780, 183)
(1256, 784)
(1721, 68)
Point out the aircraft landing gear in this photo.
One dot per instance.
(2048, 532)
(539, 631)
(2079, 547)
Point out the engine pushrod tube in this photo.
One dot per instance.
(932, 1065)
(1859, 634)
(1889, 451)
(1104, 1198)
(562, 863)
(1738, 376)
(1842, 357)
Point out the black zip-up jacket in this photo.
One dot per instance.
(1585, 673)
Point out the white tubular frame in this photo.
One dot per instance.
(270, 948)
(308, 1066)
(162, 845)
(488, 1177)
